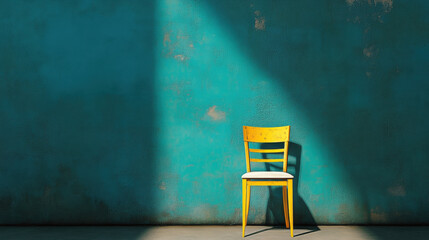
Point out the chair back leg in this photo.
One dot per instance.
(290, 204)
(285, 206)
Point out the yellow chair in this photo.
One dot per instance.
(268, 178)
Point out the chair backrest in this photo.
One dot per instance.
(266, 135)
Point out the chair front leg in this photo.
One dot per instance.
(247, 201)
(244, 195)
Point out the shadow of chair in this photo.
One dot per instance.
(302, 213)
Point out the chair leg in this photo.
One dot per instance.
(248, 201)
(290, 203)
(244, 194)
(285, 206)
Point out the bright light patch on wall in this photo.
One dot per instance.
(206, 88)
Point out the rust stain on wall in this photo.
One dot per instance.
(377, 216)
(370, 51)
(166, 39)
(162, 186)
(259, 21)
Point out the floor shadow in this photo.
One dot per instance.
(396, 232)
(263, 230)
(73, 232)
(310, 229)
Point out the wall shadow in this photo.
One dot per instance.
(77, 112)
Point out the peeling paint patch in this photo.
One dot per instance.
(370, 51)
(377, 216)
(162, 186)
(397, 190)
(181, 57)
(182, 37)
(177, 87)
(387, 5)
(350, 2)
(166, 39)
(216, 115)
(259, 21)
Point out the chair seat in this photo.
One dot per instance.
(266, 175)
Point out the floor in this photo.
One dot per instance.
(212, 232)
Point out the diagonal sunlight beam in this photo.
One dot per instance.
(208, 87)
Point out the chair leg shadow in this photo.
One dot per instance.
(309, 230)
(260, 231)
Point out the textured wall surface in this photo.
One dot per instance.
(131, 112)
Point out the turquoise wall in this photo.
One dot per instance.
(131, 112)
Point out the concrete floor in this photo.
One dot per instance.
(211, 232)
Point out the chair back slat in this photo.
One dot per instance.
(266, 160)
(266, 150)
(266, 135)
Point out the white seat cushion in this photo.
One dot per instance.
(266, 175)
